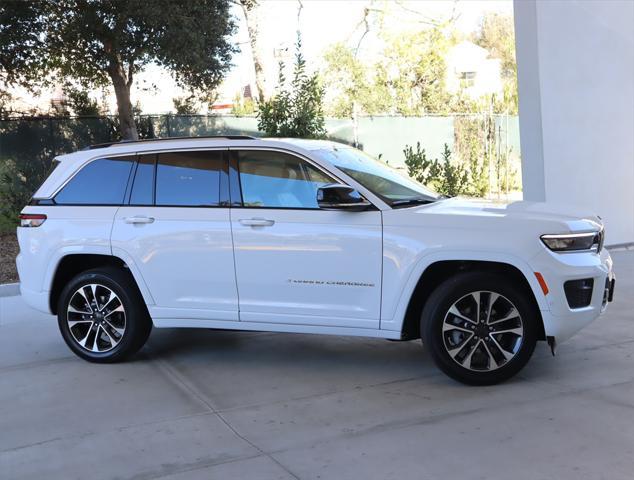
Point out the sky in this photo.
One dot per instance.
(322, 23)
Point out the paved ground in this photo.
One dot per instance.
(231, 405)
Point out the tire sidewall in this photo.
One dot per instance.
(133, 317)
(447, 294)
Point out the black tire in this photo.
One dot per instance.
(134, 322)
(458, 291)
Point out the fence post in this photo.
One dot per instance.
(167, 125)
(52, 135)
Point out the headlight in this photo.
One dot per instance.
(574, 242)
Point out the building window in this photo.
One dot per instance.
(467, 79)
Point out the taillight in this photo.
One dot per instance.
(32, 219)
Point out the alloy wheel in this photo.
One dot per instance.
(96, 318)
(482, 331)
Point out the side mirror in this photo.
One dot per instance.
(341, 197)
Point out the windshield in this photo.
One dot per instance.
(391, 186)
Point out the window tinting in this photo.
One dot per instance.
(189, 178)
(101, 182)
(143, 187)
(274, 179)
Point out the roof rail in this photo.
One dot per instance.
(125, 142)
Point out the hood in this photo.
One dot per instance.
(566, 219)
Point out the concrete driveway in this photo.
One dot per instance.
(234, 405)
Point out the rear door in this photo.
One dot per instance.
(176, 230)
(296, 263)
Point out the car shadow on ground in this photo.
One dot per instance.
(315, 353)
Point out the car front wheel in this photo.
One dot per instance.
(480, 328)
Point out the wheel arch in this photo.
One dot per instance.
(71, 264)
(438, 271)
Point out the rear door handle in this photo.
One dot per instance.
(256, 222)
(138, 219)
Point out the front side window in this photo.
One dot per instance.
(101, 182)
(279, 180)
(189, 178)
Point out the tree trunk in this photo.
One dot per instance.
(251, 17)
(122, 84)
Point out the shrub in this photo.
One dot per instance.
(419, 167)
(24, 162)
(444, 176)
(296, 110)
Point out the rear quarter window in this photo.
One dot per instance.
(101, 182)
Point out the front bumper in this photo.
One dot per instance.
(561, 321)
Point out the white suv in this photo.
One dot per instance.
(300, 236)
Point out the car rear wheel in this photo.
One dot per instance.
(102, 316)
(480, 329)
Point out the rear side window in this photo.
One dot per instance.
(101, 182)
(189, 178)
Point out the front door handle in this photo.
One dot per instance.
(138, 219)
(256, 222)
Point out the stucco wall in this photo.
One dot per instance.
(576, 87)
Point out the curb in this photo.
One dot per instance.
(9, 289)
(620, 246)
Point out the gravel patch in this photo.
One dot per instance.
(8, 252)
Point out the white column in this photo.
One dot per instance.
(530, 111)
(576, 87)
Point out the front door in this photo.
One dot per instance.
(295, 263)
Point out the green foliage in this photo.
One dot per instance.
(80, 102)
(86, 40)
(30, 144)
(469, 132)
(351, 85)
(445, 176)
(419, 167)
(242, 106)
(18, 180)
(25, 160)
(497, 35)
(295, 110)
(408, 78)
(454, 178)
(6, 104)
(20, 42)
(107, 42)
(186, 105)
(412, 70)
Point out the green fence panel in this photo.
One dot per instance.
(383, 135)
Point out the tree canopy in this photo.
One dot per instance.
(497, 35)
(350, 84)
(107, 42)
